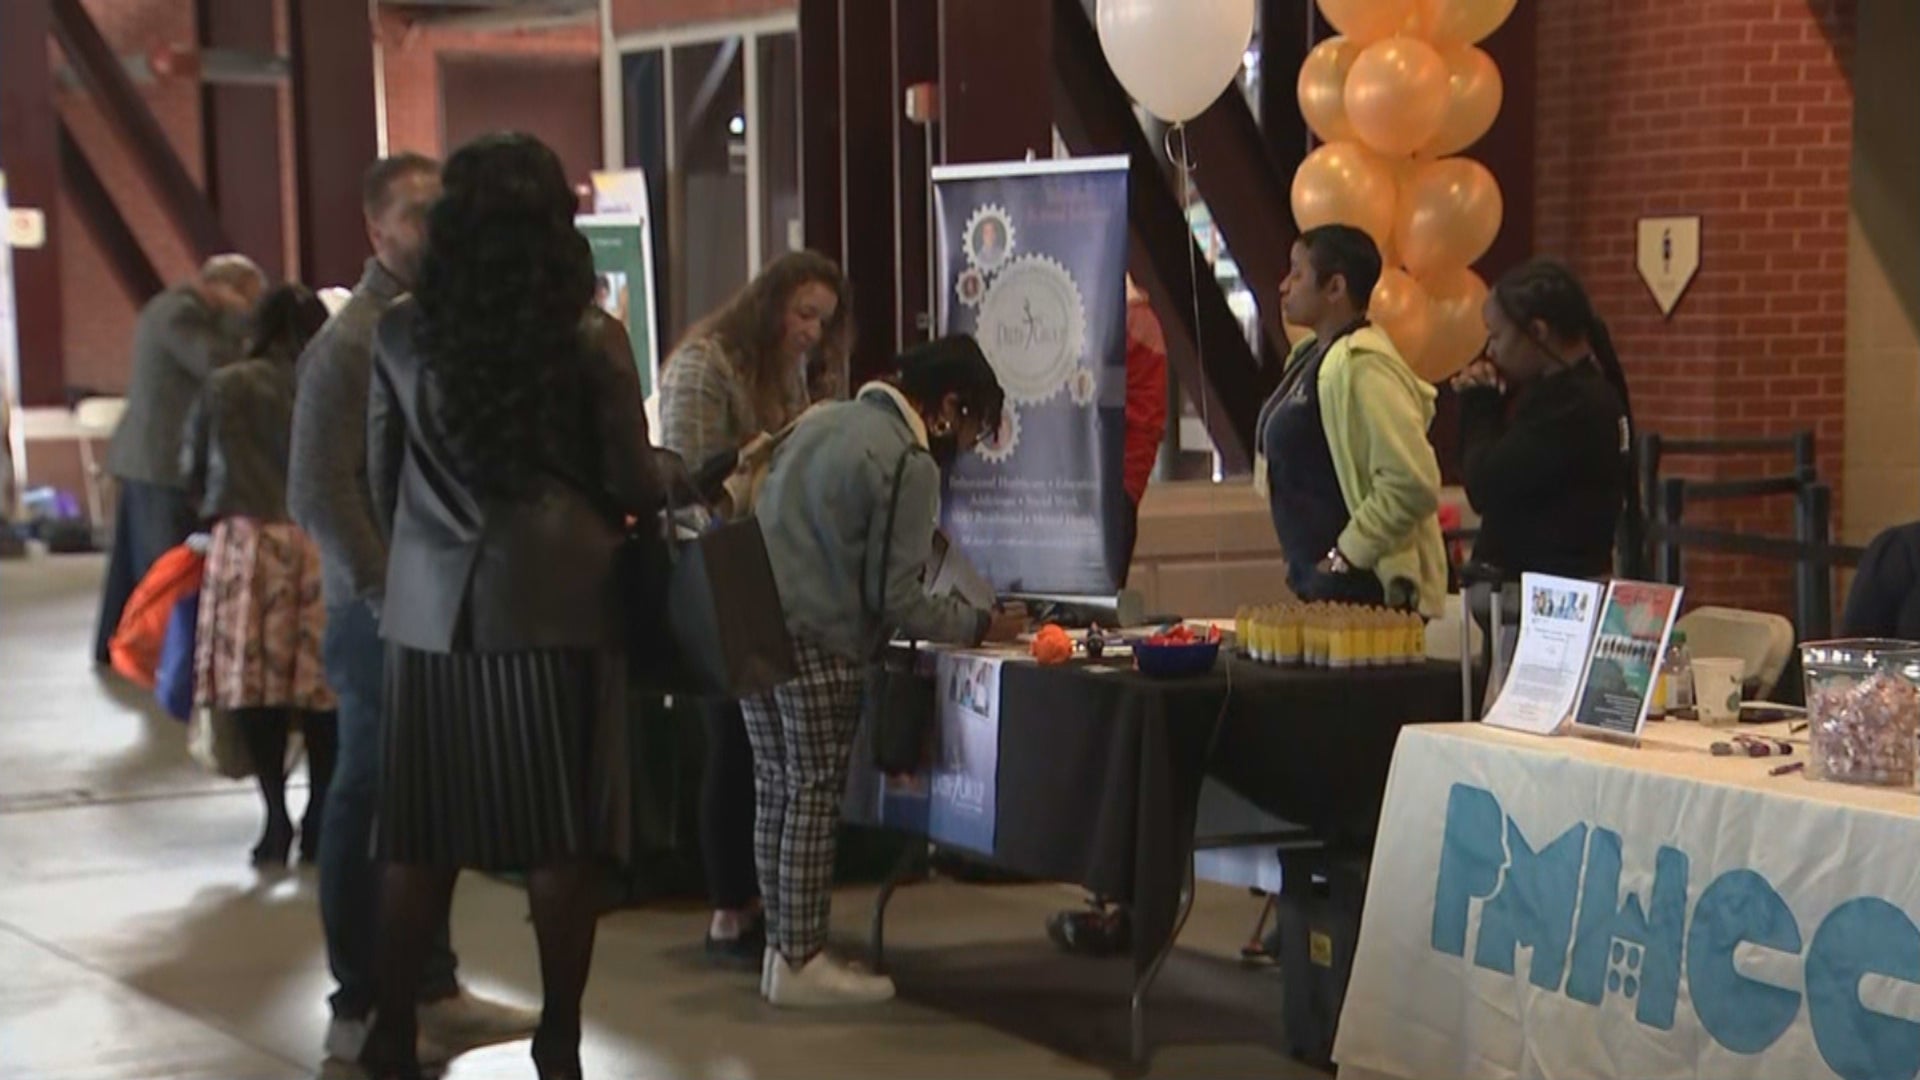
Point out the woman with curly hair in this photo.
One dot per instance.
(257, 649)
(739, 374)
(506, 444)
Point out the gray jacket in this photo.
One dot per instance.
(327, 487)
(824, 514)
(178, 341)
(473, 571)
(235, 455)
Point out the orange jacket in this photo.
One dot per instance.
(1146, 396)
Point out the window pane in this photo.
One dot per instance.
(708, 185)
(779, 137)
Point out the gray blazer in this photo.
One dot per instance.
(468, 572)
(824, 511)
(177, 342)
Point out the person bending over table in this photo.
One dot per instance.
(1546, 430)
(848, 584)
(738, 374)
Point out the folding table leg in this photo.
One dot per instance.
(1138, 1017)
(903, 869)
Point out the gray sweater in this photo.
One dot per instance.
(327, 489)
(178, 341)
(824, 514)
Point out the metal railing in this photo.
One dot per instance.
(1810, 549)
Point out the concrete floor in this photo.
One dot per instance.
(135, 942)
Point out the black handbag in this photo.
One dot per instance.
(704, 615)
(897, 703)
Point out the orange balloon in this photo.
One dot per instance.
(1401, 308)
(1323, 85)
(1454, 299)
(1448, 216)
(1343, 183)
(1462, 22)
(1367, 21)
(1474, 91)
(1396, 95)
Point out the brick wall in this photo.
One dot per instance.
(1739, 111)
(98, 312)
(412, 70)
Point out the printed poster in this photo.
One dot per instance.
(1032, 260)
(1557, 618)
(1626, 658)
(952, 799)
(623, 284)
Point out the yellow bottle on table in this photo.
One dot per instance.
(1380, 640)
(1314, 644)
(1340, 653)
(1289, 637)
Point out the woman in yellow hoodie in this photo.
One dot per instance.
(1351, 479)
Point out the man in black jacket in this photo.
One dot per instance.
(1885, 599)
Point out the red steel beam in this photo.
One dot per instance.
(1095, 116)
(126, 112)
(29, 153)
(125, 256)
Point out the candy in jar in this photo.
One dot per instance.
(1863, 711)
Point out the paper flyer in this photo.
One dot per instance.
(1618, 687)
(1557, 619)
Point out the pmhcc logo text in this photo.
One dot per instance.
(1589, 942)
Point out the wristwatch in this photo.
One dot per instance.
(1337, 563)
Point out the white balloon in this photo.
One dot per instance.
(1175, 56)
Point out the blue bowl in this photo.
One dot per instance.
(1175, 661)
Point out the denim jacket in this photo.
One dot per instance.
(824, 513)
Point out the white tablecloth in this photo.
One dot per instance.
(1558, 907)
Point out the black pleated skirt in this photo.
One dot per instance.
(505, 761)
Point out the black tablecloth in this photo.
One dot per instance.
(1314, 747)
(1100, 767)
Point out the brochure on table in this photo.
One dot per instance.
(1625, 659)
(1557, 619)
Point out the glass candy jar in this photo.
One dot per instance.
(1863, 710)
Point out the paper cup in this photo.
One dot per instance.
(1717, 682)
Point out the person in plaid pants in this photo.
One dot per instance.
(848, 511)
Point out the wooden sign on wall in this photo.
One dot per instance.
(1668, 255)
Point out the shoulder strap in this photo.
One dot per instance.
(879, 607)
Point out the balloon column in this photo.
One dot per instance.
(1400, 90)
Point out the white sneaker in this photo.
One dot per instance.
(823, 983)
(347, 1038)
(467, 1020)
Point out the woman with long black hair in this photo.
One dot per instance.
(1547, 431)
(506, 438)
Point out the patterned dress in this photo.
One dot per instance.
(262, 619)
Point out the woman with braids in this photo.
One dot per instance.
(506, 441)
(257, 650)
(1546, 430)
(739, 374)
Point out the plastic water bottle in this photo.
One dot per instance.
(1677, 673)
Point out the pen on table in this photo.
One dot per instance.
(1782, 770)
